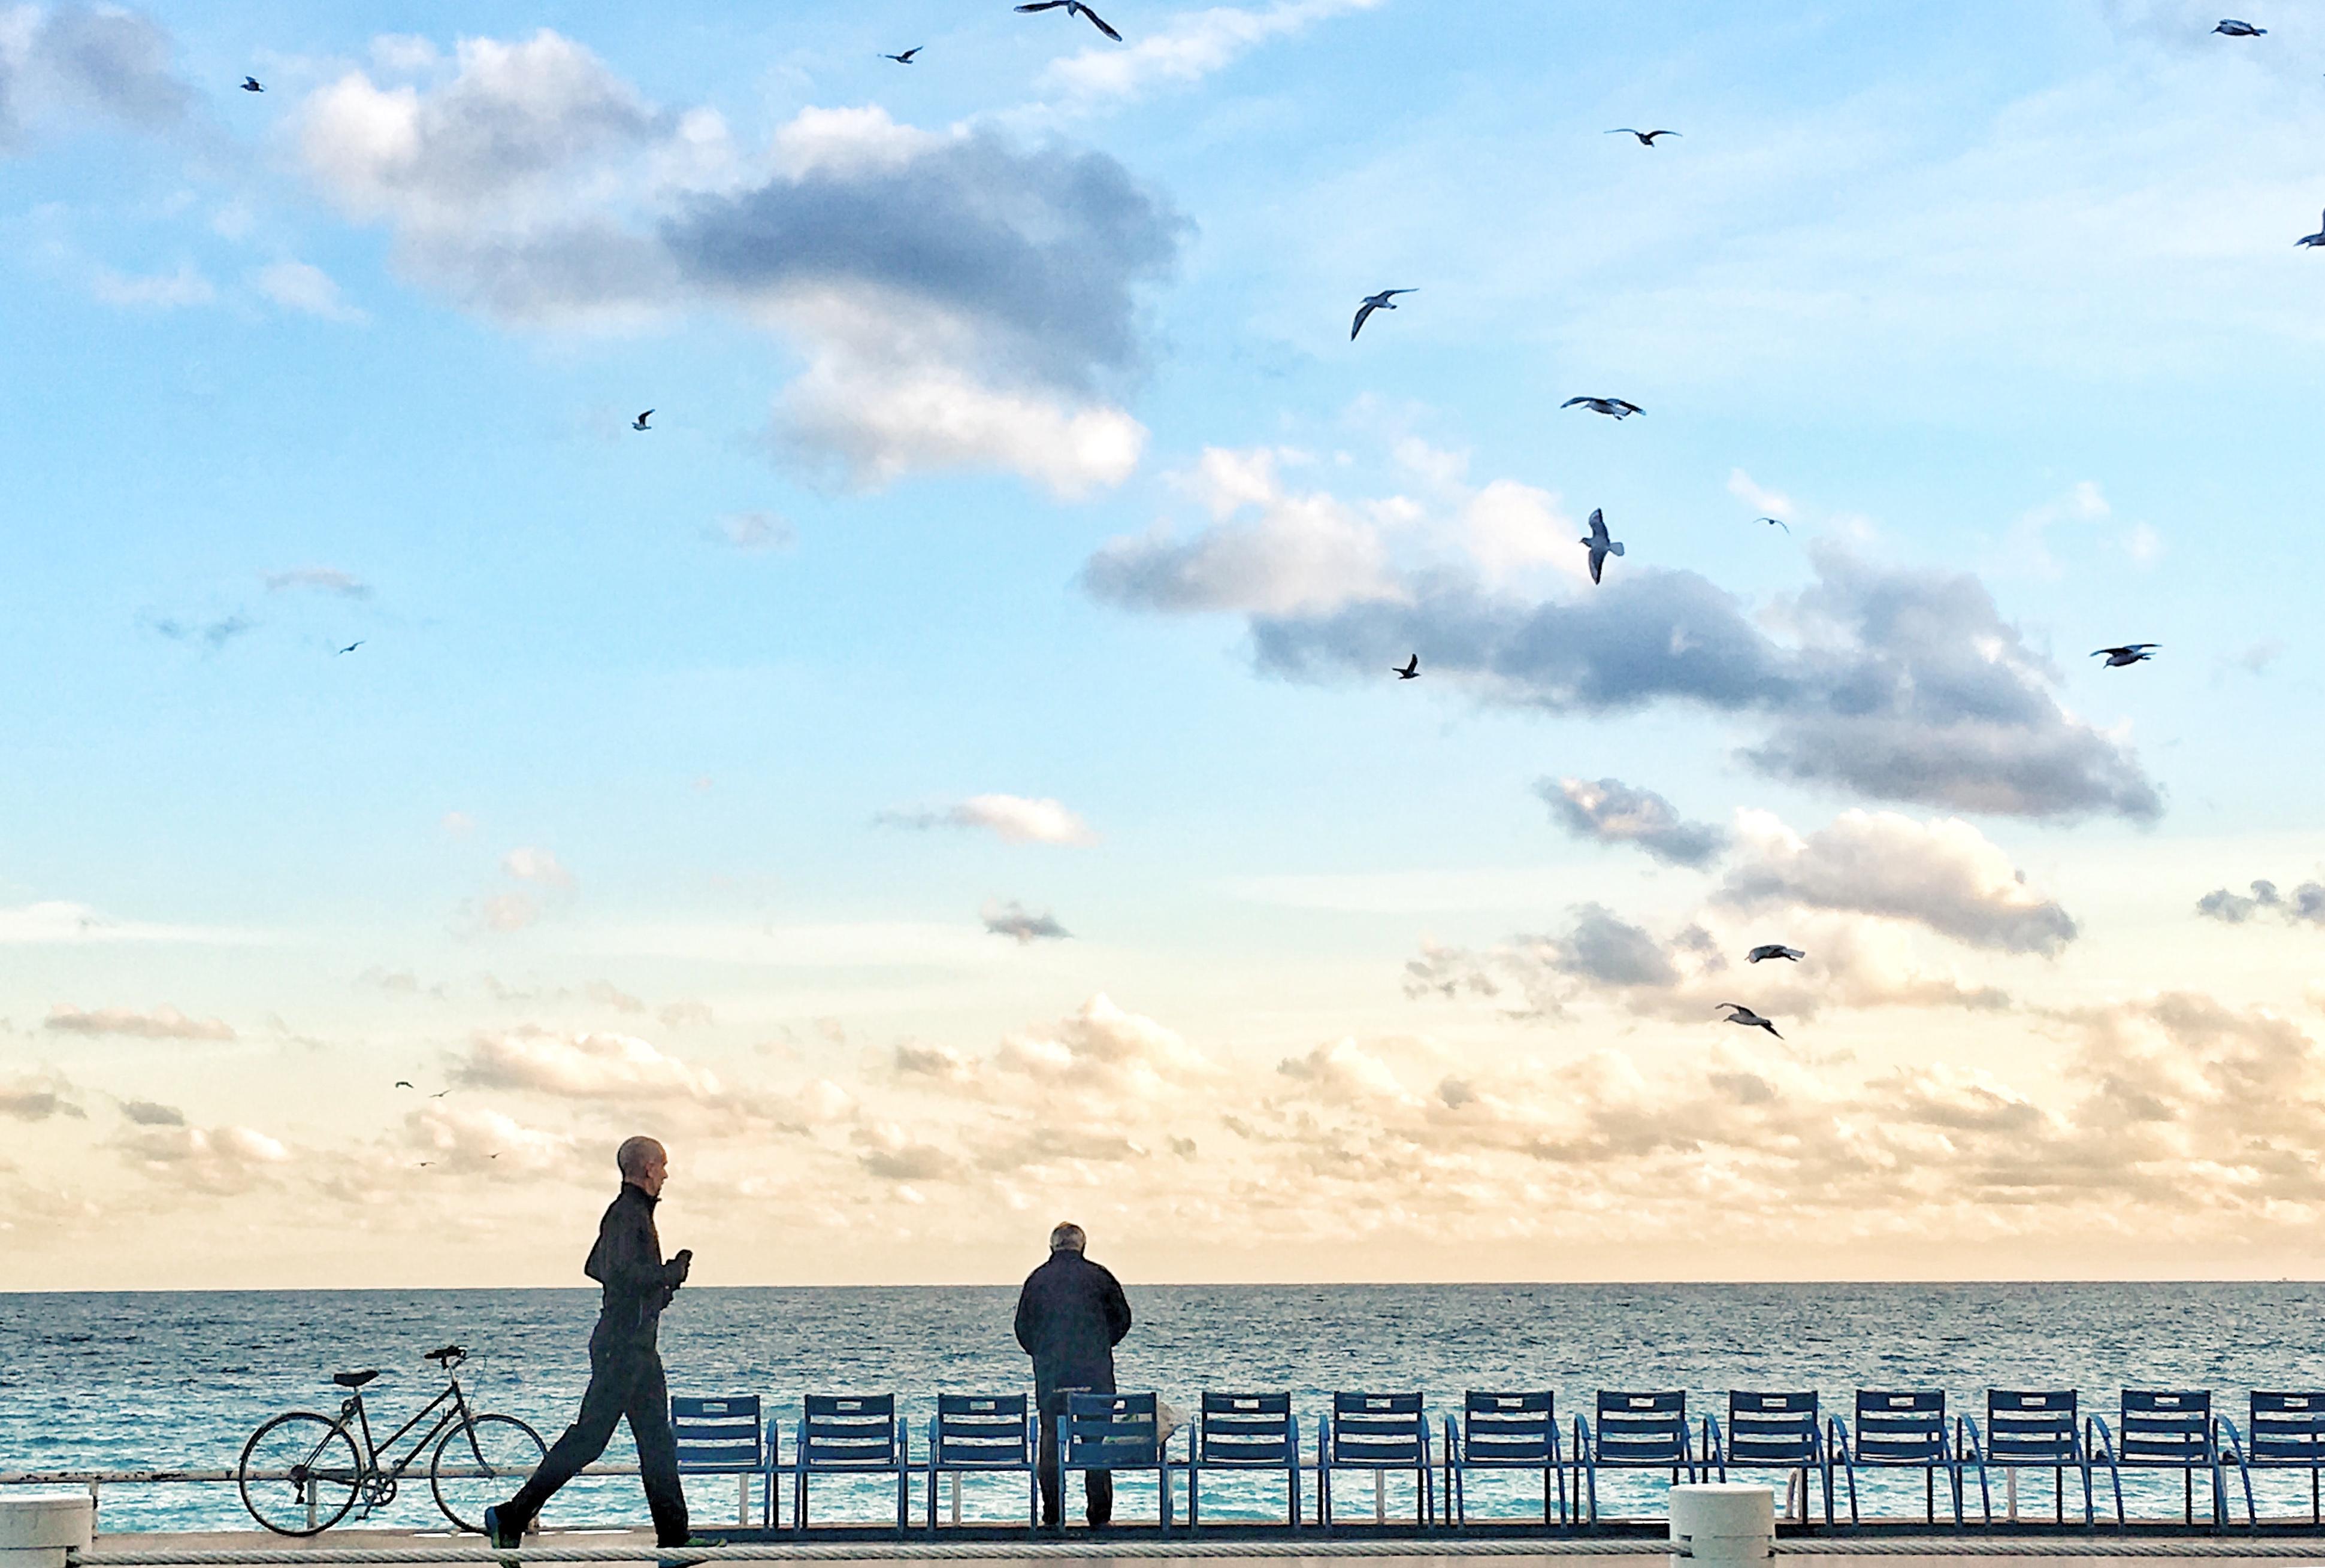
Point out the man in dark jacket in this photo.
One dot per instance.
(625, 1376)
(1069, 1317)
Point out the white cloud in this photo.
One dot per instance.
(1012, 818)
(585, 1067)
(161, 1023)
(171, 291)
(527, 864)
(61, 923)
(755, 532)
(1774, 503)
(305, 288)
(1189, 47)
(321, 579)
(221, 1161)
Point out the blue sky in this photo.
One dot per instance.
(1021, 546)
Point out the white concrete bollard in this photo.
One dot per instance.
(1722, 1524)
(37, 1530)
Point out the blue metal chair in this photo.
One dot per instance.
(1247, 1432)
(1634, 1432)
(1503, 1431)
(2035, 1428)
(843, 1435)
(725, 1437)
(1114, 1432)
(982, 1434)
(1380, 1432)
(1774, 1431)
(1901, 1429)
(2287, 1432)
(2167, 1429)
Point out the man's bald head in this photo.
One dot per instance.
(642, 1160)
(1068, 1237)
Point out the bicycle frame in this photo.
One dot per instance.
(376, 1452)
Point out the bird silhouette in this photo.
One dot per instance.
(440, 1093)
(640, 422)
(2313, 239)
(1384, 300)
(905, 58)
(2129, 654)
(2236, 29)
(250, 84)
(350, 647)
(1740, 1014)
(1646, 138)
(1779, 521)
(1600, 546)
(1075, 8)
(1409, 669)
(1774, 950)
(1613, 408)
(403, 1083)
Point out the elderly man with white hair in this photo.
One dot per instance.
(1070, 1315)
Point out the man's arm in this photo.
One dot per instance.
(1026, 1317)
(1118, 1309)
(626, 1261)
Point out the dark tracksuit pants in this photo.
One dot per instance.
(626, 1379)
(1098, 1485)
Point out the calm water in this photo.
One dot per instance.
(131, 1381)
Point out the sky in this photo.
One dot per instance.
(944, 775)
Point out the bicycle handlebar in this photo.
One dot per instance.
(447, 1356)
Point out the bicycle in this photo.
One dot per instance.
(300, 1473)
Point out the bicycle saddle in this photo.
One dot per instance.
(355, 1379)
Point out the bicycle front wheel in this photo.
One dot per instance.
(300, 1473)
(479, 1463)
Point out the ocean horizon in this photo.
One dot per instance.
(140, 1380)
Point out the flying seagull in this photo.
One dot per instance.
(2313, 239)
(2129, 654)
(403, 1083)
(1075, 8)
(1747, 1018)
(2236, 29)
(1601, 547)
(250, 85)
(350, 647)
(1409, 669)
(1773, 950)
(905, 58)
(1779, 521)
(1615, 408)
(640, 422)
(1646, 138)
(1384, 300)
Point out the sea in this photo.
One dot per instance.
(178, 1379)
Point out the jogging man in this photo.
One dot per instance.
(624, 1365)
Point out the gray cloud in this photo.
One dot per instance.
(211, 634)
(1945, 875)
(1013, 919)
(149, 1114)
(37, 1099)
(1908, 685)
(114, 64)
(1613, 812)
(2306, 906)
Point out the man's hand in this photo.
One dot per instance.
(674, 1272)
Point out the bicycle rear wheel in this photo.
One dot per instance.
(300, 1473)
(480, 1462)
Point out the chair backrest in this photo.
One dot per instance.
(1772, 1428)
(1245, 1429)
(849, 1432)
(1110, 1431)
(1648, 1430)
(2166, 1427)
(1381, 1429)
(981, 1430)
(2032, 1426)
(2288, 1428)
(718, 1435)
(1901, 1426)
(1499, 1428)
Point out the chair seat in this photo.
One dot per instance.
(355, 1379)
